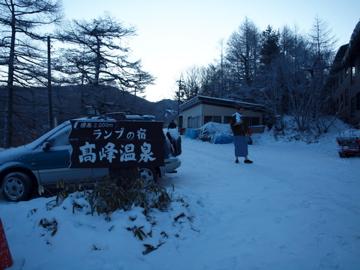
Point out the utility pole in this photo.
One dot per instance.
(51, 117)
(179, 94)
(222, 92)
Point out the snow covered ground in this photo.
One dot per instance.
(296, 207)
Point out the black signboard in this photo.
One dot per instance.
(97, 144)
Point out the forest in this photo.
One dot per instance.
(283, 69)
(40, 49)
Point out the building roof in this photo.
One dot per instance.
(354, 47)
(338, 60)
(345, 56)
(222, 102)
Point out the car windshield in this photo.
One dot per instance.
(42, 138)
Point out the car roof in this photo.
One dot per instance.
(117, 117)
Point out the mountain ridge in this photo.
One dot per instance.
(73, 101)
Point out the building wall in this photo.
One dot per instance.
(224, 112)
(346, 94)
(213, 113)
(354, 96)
(192, 113)
(217, 110)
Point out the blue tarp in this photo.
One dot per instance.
(222, 139)
(192, 133)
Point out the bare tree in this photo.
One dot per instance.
(322, 44)
(211, 80)
(191, 84)
(20, 21)
(73, 66)
(270, 73)
(243, 52)
(98, 55)
(296, 79)
(282, 69)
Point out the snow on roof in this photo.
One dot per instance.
(219, 102)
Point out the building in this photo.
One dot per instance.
(202, 109)
(344, 81)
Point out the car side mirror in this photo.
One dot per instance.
(46, 146)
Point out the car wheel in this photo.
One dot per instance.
(16, 186)
(148, 175)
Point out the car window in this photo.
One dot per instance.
(48, 134)
(61, 137)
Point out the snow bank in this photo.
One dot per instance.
(216, 133)
(327, 128)
(296, 207)
(45, 235)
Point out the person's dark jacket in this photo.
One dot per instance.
(239, 129)
(172, 125)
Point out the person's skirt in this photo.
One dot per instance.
(241, 146)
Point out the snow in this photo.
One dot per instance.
(212, 128)
(211, 131)
(350, 133)
(296, 207)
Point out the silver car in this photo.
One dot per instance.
(25, 170)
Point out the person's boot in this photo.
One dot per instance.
(248, 161)
(236, 160)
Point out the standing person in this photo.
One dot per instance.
(241, 131)
(172, 124)
(174, 138)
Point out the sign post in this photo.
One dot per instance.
(120, 144)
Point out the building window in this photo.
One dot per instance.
(346, 97)
(227, 119)
(180, 121)
(254, 121)
(353, 106)
(207, 119)
(251, 121)
(347, 72)
(212, 118)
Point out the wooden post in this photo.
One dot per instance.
(51, 117)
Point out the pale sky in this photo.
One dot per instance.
(173, 36)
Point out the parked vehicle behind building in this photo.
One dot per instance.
(349, 143)
(50, 158)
